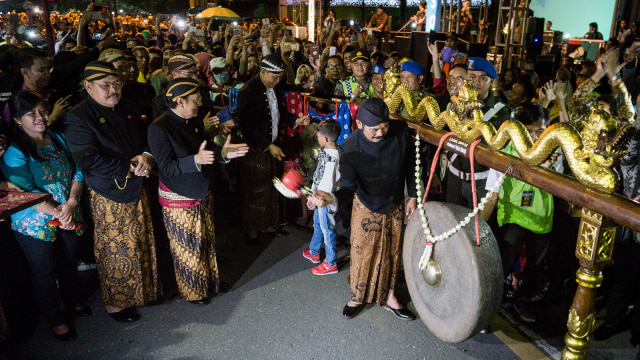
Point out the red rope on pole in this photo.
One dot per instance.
(305, 105)
(434, 162)
(473, 188)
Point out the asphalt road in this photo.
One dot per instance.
(277, 309)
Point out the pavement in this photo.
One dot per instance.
(277, 309)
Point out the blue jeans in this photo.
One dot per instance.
(324, 228)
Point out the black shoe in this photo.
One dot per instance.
(224, 287)
(83, 312)
(525, 311)
(253, 242)
(126, 315)
(280, 232)
(203, 301)
(277, 232)
(404, 313)
(68, 336)
(605, 331)
(351, 311)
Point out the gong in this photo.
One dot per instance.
(459, 292)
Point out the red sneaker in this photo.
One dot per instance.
(314, 258)
(325, 269)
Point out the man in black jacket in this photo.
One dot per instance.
(262, 117)
(107, 139)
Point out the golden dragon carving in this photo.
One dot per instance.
(590, 152)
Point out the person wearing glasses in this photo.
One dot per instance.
(357, 87)
(325, 83)
(496, 111)
(107, 139)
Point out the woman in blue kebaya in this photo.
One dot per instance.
(38, 160)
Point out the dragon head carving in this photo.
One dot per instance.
(466, 101)
(603, 139)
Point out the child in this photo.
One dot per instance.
(326, 178)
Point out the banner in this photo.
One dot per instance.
(433, 15)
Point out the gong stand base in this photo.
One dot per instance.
(594, 249)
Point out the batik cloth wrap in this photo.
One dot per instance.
(259, 205)
(376, 249)
(190, 229)
(125, 251)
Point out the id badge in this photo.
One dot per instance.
(527, 198)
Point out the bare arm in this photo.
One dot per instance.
(437, 70)
(361, 42)
(332, 34)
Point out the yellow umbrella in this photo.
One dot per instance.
(219, 13)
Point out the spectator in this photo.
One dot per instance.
(593, 32)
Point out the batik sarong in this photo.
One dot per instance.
(125, 251)
(192, 242)
(259, 205)
(376, 249)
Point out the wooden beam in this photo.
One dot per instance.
(618, 208)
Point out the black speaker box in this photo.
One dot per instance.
(419, 48)
(403, 45)
(545, 66)
(474, 49)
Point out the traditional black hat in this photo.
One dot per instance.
(97, 70)
(181, 87)
(181, 62)
(273, 64)
(373, 112)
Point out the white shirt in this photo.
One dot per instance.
(275, 113)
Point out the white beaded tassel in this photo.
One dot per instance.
(430, 239)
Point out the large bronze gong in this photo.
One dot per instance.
(459, 293)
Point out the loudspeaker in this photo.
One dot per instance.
(535, 36)
(474, 49)
(403, 45)
(419, 48)
(545, 66)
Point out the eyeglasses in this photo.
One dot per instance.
(106, 86)
(481, 78)
(190, 74)
(197, 102)
(336, 67)
(360, 64)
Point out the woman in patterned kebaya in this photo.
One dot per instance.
(38, 161)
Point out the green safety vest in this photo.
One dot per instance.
(538, 217)
(350, 84)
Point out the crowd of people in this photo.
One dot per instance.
(129, 124)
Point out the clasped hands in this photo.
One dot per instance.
(141, 165)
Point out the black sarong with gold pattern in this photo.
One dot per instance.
(259, 201)
(125, 251)
(376, 249)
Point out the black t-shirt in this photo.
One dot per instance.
(9, 85)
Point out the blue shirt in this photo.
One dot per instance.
(55, 175)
